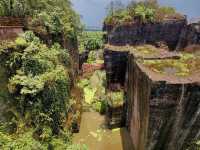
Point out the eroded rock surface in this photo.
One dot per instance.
(150, 33)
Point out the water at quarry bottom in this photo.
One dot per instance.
(96, 136)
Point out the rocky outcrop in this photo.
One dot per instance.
(190, 35)
(164, 110)
(167, 32)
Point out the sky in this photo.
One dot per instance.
(94, 11)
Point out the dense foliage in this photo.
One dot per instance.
(44, 16)
(39, 84)
(143, 11)
(39, 80)
(38, 75)
(27, 141)
(91, 40)
(94, 90)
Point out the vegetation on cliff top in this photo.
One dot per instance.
(138, 51)
(187, 65)
(44, 16)
(148, 11)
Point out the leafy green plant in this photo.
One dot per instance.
(29, 140)
(115, 99)
(39, 80)
(148, 11)
(194, 146)
(90, 40)
(145, 13)
(118, 17)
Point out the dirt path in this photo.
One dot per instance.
(96, 136)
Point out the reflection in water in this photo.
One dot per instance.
(96, 136)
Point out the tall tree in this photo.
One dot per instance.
(113, 6)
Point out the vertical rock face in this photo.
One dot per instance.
(115, 66)
(150, 33)
(164, 110)
(10, 27)
(190, 35)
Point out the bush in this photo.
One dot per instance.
(39, 81)
(115, 99)
(90, 40)
(28, 141)
(21, 142)
(145, 11)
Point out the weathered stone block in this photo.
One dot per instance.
(164, 103)
(167, 31)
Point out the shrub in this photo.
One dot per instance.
(93, 44)
(28, 141)
(90, 40)
(148, 11)
(39, 81)
(118, 17)
(144, 13)
(21, 142)
(115, 99)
